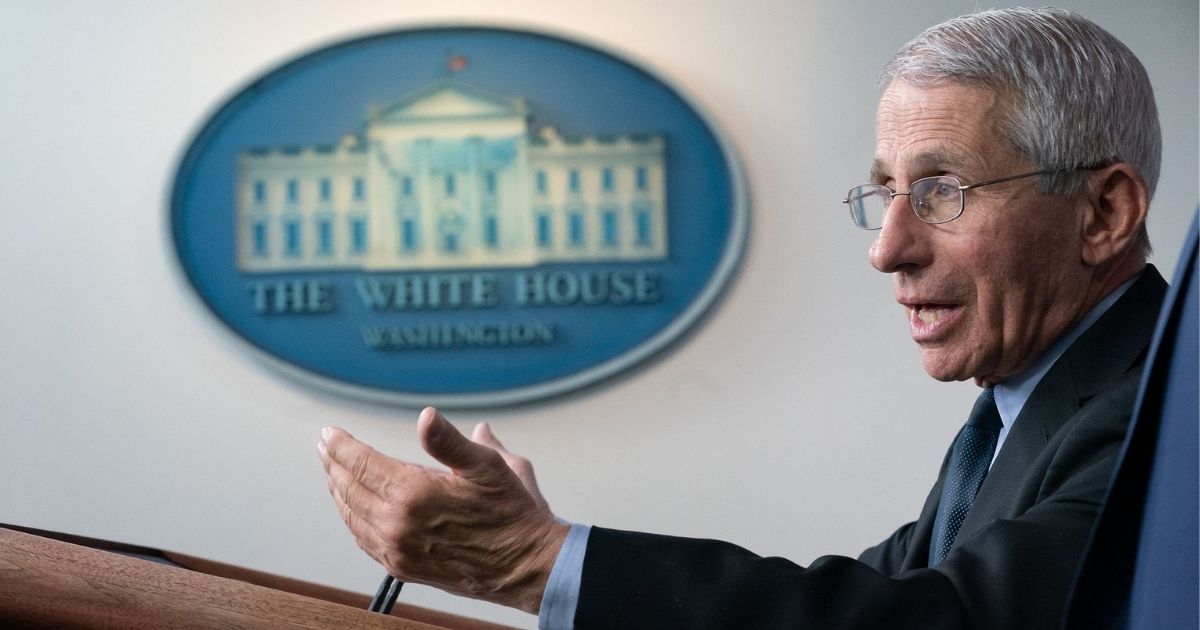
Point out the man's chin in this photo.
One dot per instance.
(939, 368)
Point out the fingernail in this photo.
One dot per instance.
(326, 432)
(435, 427)
(321, 449)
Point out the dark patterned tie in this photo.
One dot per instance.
(970, 459)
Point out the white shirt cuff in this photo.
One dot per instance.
(561, 597)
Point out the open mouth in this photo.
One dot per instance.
(926, 320)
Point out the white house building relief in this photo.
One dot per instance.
(451, 177)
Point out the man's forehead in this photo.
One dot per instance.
(934, 128)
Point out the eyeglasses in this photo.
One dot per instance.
(933, 199)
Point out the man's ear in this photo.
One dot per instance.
(1113, 215)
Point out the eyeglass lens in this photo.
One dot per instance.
(933, 199)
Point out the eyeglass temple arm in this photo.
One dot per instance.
(1081, 167)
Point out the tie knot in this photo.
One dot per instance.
(985, 415)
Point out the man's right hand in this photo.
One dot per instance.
(481, 530)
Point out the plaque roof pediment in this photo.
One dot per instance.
(449, 99)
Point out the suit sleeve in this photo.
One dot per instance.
(646, 581)
(1012, 573)
(888, 556)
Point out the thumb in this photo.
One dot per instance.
(441, 440)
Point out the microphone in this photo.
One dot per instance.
(385, 597)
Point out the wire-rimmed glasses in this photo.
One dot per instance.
(933, 199)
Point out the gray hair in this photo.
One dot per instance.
(1075, 95)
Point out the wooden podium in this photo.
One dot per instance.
(50, 580)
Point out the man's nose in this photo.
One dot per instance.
(903, 241)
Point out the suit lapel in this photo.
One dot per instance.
(1054, 401)
(1112, 346)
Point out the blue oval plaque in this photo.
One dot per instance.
(457, 216)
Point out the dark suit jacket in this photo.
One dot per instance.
(1013, 560)
(1142, 567)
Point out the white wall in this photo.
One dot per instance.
(795, 420)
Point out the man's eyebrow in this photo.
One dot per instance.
(878, 172)
(922, 165)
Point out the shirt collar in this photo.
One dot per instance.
(1013, 392)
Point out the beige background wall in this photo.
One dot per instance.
(795, 420)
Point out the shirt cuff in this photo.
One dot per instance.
(561, 597)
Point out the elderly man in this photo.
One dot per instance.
(1016, 153)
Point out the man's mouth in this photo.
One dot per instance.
(927, 321)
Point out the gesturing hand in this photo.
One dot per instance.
(480, 530)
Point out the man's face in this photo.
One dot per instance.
(987, 293)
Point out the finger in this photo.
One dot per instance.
(519, 465)
(362, 528)
(348, 491)
(369, 467)
(440, 439)
(483, 435)
(364, 532)
(375, 526)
